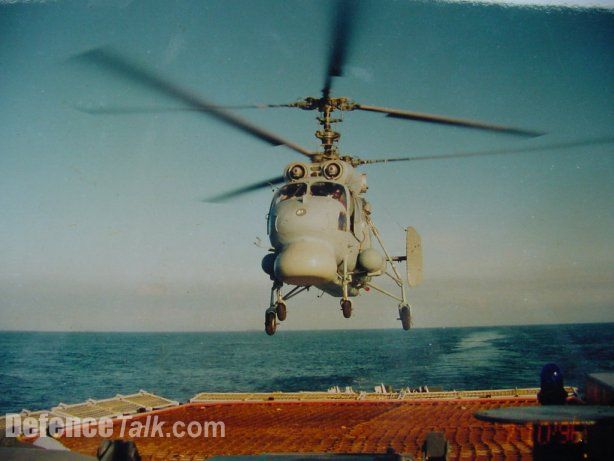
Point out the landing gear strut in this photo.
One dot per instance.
(346, 307)
(405, 317)
(277, 310)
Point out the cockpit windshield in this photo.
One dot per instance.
(329, 189)
(296, 189)
(317, 189)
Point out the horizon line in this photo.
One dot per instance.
(303, 330)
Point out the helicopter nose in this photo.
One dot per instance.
(306, 263)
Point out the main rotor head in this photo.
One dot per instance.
(327, 136)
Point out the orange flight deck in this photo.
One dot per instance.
(333, 426)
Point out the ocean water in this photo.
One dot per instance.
(39, 370)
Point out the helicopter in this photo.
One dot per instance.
(319, 222)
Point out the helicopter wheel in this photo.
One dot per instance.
(270, 323)
(281, 310)
(346, 307)
(405, 317)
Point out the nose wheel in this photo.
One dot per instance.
(346, 308)
(270, 323)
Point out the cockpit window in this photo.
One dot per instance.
(296, 189)
(329, 189)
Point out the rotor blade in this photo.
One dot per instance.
(567, 145)
(431, 118)
(116, 110)
(246, 189)
(341, 35)
(121, 67)
(521, 150)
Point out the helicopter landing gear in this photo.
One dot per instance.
(280, 309)
(270, 322)
(346, 308)
(277, 310)
(405, 317)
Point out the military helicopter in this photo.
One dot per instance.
(319, 221)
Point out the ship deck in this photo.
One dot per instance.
(275, 423)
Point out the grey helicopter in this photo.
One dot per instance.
(319, 222)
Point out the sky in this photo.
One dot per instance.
(102, 223)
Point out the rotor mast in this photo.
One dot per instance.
(327, 135)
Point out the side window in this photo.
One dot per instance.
(357, 224)
(355, 212)
(342, 222)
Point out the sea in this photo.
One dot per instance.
(39, 370)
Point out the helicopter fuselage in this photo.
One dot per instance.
(318, 229)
